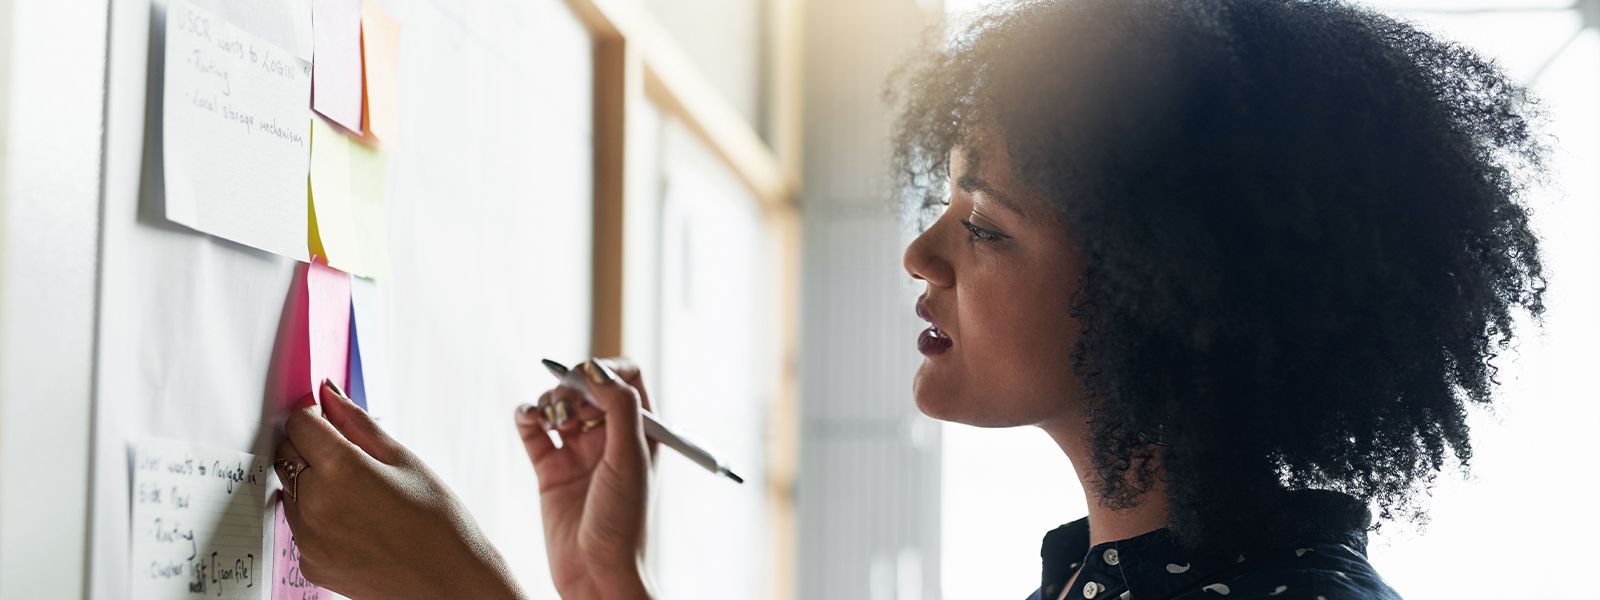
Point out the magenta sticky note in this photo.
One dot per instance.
(297, 359)
(319, 331)
(336, 75)
(328, 323)
(287, 582)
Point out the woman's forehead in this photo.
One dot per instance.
(983, 166)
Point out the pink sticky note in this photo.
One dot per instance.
(319, 333)
(380, 54)
(328, 323)
(336, 77)
(287, 583)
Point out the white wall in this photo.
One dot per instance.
(48, 251)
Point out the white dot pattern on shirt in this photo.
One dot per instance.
(1126, 595)
(1176, 569)
(1302, 551)
(1218, 588)
(1281, 589)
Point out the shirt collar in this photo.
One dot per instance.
(1152, 565)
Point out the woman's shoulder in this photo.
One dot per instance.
(1326, 564)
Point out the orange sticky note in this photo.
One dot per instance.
(380, 52)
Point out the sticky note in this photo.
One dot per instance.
(358, 381)
(336, 75)
(235, 140)
(287, 582)
(380, 52)
(319, 331)
(333, 217)
(367, 168)
(369, 353)
(197, 521)
(328, 291)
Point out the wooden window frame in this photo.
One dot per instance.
(637, 62)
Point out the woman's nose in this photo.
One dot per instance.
(924, 261)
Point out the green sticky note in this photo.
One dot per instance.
(366, 195)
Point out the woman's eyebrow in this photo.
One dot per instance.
(971, 183)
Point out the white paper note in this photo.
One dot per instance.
(236, 133)
(197, 522)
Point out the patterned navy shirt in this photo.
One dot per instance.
(1328, 563)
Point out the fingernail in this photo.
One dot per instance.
(336, 389)
(599, 372)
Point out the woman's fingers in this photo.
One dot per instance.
(624, 428)
(287, 450)
(316, 439)
(534, 431)
(630, 374)
(357, 426)
(626, 369)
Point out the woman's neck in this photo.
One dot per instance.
(1106, 525)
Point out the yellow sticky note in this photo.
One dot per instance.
(366, 195)
(333, 219)
(380, 51)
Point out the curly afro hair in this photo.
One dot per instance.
(1305, 231)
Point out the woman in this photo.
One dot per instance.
(1246, 261)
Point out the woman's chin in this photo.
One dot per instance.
(940, 397)
(945, 396)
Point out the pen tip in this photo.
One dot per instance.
(734, 476)
(555, 367)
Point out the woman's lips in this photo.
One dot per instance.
(933, 340)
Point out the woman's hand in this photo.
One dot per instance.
(371, 520)
(593, 489)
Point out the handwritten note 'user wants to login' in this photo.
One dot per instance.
(237, 133)
(197, 522)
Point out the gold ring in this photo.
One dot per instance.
(593, 424)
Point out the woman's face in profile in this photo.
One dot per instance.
(1000, 273)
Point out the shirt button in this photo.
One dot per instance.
(1090, 590)
(1111, 557)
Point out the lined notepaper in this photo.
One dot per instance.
(236, 136)
(197, 522)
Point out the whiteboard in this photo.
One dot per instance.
(489, 220)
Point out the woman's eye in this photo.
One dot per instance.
(980, 234)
